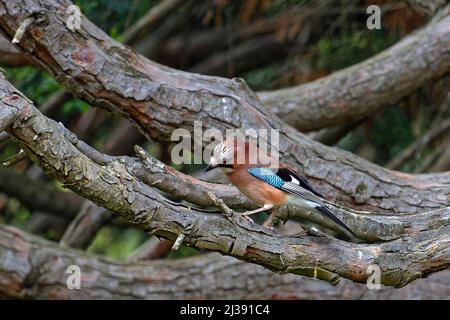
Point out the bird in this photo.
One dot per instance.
(270, 184)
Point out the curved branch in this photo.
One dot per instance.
(109, 184)
(354, 93)
(31, 273)
(159, 99)
(366, 225)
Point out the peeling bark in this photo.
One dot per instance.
(33, 268)
(108, 183)
(159, 99)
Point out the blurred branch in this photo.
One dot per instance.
(427, 7)
(39, 195)
(363, 89)
(83, 228)
(56, 100)
(243, 57)
(442, 162)
(152, 249)
(122, 139)
(4, 136)
(331, 136)
(40, 222)
(158, 100)
(158, 12)
(434, 133)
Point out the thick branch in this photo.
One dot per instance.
(363, 89)
(158, 100)
(366, 225)
(31, 272)
(109, 184)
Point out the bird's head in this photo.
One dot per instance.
(236, 153)
(222, 156)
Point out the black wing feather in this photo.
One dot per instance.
(286, 174)
(304, 190)
(329, 215)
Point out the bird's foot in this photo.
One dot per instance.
(269, 222)
(265, 207)
(247, 218)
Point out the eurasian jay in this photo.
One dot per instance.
(269, 185)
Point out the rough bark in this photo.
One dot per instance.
(107, 182)
(363, 89)
(366, 225)
(33, 268)
(158, 100)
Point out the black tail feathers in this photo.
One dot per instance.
(330, 216)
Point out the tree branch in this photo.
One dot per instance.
(158, 100)
(158, 12)
(109, 184)
(407, 153)
(83, 228)
(38, 195)
(427, 7)
(30, 272)
(363, 89)
(10, 56)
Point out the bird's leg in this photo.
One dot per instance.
(269, 222)
(265, 207)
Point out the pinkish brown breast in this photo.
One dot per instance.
(256, 190)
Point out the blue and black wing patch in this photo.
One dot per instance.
(286, 180)
(289, 181)
(267, 175)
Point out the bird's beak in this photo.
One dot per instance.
(212, 164)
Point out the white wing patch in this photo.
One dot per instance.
(293, 180)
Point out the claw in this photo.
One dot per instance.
(245, 217)
(269, 222)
